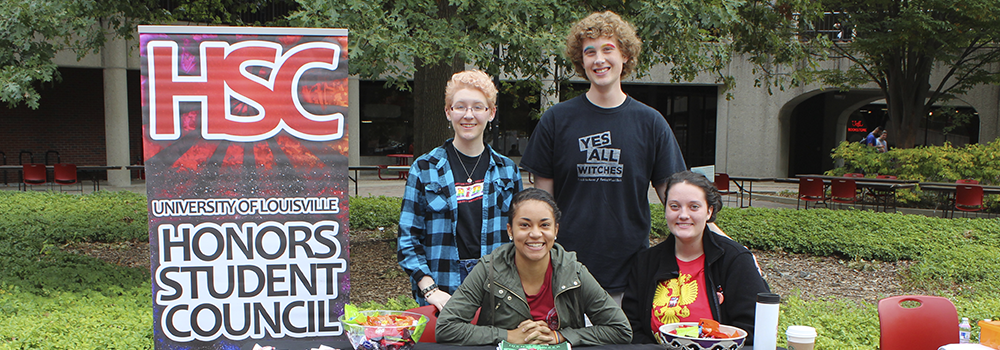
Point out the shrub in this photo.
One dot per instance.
(658, 221)
(925, 164)
(72, 320)
(399, 303)
(372, 213)
(949, 252)
(58, 218)
(840, 324)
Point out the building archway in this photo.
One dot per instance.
(817, 123)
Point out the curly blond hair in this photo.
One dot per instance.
(603, 24)
(471, 79)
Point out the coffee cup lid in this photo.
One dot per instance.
(768, 298)
(801, 332)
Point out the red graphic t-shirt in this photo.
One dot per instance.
(682, 299)
(543, 304)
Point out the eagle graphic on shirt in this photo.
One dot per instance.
(672, 297)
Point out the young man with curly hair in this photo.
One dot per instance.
(598, 153)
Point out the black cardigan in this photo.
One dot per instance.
(728, 265)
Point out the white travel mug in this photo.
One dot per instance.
(765, 322)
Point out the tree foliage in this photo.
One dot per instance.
(426, 40)
(422, 40)
(33, 31)
(900, 46)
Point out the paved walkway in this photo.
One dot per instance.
(368, 184)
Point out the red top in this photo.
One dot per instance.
(682, 299)
(543, 304)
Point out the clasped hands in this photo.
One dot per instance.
(533, 332)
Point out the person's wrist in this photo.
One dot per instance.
(429, 290)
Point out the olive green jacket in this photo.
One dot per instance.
(494, 286)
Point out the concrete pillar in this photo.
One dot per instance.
(354, 121)
(114, 57)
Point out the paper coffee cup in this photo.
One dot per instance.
(801, 337)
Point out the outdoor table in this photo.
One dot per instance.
(356, 169)
(435, 346)
(379, 168)
(741, 183)
(94, 169)
(947, 191)
(878, 188)
(402, 160)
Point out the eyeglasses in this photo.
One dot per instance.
(461, 110)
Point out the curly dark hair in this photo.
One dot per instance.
(536, 194)
(712, 196)
(603, 24)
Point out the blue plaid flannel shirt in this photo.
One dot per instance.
(427, 220)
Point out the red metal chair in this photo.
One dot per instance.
(854, 175)
(967, 181)
(65, 174)
(431, 312)
(32, 175)
(722, 185)
(891, 177)
(968, 198)
(931, 323)
(843, 191)
(811, 190)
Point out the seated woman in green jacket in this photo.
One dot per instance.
(532, 291)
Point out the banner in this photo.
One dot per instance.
(245, 149)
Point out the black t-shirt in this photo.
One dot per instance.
(469, 227)
(602, 161)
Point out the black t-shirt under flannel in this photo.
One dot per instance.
(469, 227)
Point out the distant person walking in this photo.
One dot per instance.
(872, 136)
(880, 143)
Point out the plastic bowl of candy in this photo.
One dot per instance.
(671, 341)
(383, 330)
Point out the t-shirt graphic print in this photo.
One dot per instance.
(603, 161)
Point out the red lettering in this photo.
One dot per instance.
(237, 104)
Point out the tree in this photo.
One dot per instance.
(35, 30)
(897, 44)
(428, 40)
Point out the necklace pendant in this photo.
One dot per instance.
(469, 180)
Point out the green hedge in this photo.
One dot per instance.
(948, 251)
(75, 320)
(925, 164)
(375, 213)
(58, 218)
